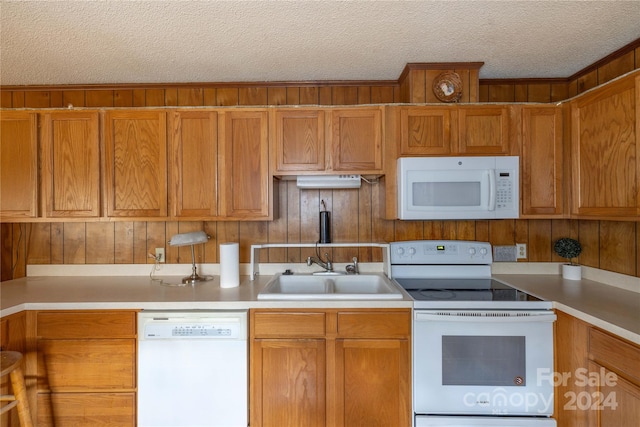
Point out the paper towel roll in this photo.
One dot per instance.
(229, 265)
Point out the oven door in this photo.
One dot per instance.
(470, 362)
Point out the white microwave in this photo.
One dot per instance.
(458, 187)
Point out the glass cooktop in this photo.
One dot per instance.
(468, 293)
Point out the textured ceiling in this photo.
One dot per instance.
(117, 41)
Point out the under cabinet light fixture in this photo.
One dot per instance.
(328, 181)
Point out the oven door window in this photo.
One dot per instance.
(483, 360)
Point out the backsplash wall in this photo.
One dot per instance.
(609, 245)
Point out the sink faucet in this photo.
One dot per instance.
(327, 265)
(353, 268)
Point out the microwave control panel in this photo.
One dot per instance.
(504, 189)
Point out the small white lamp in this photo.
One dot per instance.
(185, 239)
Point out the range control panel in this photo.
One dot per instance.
(440, 252)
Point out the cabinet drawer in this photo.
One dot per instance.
(86, 324)
(75, 365)
(86, 409)
(612, 352)
(394, 324)
(288, 324)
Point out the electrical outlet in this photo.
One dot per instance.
(160, 254)
(521, 250)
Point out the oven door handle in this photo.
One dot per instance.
(482, 318)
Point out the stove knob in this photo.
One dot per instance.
(472, 251)
(412, 251)
(483, 251)
(400, 251)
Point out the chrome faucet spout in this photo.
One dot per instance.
(327, 265)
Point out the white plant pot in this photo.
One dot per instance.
(571, 272)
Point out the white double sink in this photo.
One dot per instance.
(309, 286)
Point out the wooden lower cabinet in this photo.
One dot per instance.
(597, 377)
(342, 368)
(86, 369)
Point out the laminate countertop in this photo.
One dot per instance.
(614, 309)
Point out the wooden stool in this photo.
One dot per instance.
(10, 365)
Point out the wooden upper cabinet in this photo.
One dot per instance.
(605, 152)
(298, 140)
(136, 163)
(71, 164)
(483, 129)
(542, 162)
(245, 186)
(356, 140)
(193, 164)
(425, 131)
(18, 165)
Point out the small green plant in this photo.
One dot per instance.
(567, 248)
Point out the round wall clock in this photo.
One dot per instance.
(448, 87)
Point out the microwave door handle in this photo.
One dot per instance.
(492, 190)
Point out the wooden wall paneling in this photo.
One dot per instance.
(6, 99)
(140, 242)
(616, 67)
(365, 216)
(483, 93)
(325, 95)
(292, 213)
(138, 97)
(57, 243)
(637, 245)
(74, 250)
(345, 223)
(209, 96)
(540, 92)
(39, 243)
(364, 95)
(618, 247)
(190, 97)
(539, 244)
(309, 219)
(408, 230)
(559, 92)
(465, 230)
(521, 234)
(469, 85)
(98, 98)
(100, 238)
(171, 96)
(123, 98)
(172, 252)
(211, 247)
(292, 96)
(74, 98)
(37, 99)
(344, 95)
(157, 238)
(226, 96)
(520, 92)
(252, 96)
(418, 82)
(309, 95)
(277, 229)
(502, 232)
(154, 98)
(482, 231)
(123, 242)
(252, 232)
(276, 95)
(587, 81)
(228, 232)
(17, 99)
(589, 238)
(6, 245)
(501, 93)
(383, 95)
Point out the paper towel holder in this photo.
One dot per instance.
(193, 238)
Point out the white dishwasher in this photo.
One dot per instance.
(192, 369)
